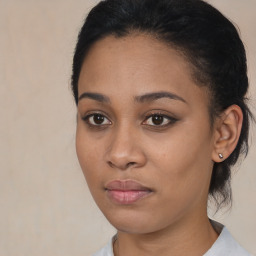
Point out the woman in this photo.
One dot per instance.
(160, 88)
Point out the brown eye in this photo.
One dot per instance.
(97, 120)
(157, 119)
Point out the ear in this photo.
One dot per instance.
(227, 132)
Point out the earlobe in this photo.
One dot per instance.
(227, 133)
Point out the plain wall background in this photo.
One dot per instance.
(45, 206)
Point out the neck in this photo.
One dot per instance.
(186, 238)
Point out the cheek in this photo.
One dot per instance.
(88, 154)
(183, 160)
(90, 160)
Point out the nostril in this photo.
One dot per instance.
(131, 163)
(110, 164)
(121, 166)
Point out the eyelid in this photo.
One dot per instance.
(89, 114)
(94, 112)
(171, 119)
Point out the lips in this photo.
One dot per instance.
(126, 191)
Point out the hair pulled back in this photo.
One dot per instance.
(209, 42)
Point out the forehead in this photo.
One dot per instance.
(134, 65)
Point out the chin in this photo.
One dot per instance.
(134, 222)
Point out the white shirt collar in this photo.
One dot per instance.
(225, 245)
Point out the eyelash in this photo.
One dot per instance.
(167, 120)
(87, 120)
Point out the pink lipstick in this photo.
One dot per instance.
(126, 191)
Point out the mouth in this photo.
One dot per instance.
(126, 192)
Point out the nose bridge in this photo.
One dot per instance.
(124, 147)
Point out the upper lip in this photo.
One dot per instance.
(126, 185)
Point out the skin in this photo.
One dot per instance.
(173, 159)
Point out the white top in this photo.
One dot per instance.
(225, 245)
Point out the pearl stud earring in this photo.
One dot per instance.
(220, 156)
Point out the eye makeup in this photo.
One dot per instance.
(156, 120)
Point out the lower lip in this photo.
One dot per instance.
(127, 196)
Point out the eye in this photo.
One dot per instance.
(159, 120)
(96, 119)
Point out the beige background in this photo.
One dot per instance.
(45, 206)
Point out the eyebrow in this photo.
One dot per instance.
(158, 95)
(140, 99)
(94, 96)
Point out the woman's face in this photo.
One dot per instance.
(144, 140)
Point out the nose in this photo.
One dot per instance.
(125, 149)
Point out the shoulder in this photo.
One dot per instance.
(106, 250)
(226, 245)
